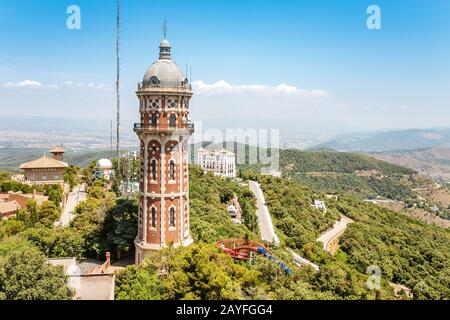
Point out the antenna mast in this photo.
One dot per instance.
(165, 27)
(118, 85)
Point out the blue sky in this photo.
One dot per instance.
(339, 74)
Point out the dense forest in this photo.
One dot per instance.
(407, 251)
(357, 174)
(201, 271)
(387, 236)
(333, 161)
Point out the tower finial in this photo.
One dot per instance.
(164, 47)
(165, 27)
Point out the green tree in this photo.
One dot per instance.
(57, 243)
(25, 275)
(138, 283)
(71, 176)
(4, 176)
(11, 227)
(32, 210)
(120, 226)
(96, 192)
(55, 197)
(89, 222)
(201, 272)
(48, 213)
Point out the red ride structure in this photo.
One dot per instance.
(242, 249)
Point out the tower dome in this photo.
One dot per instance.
(104, 164)
(165, 72)
(165, 44)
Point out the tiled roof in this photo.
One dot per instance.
(58, 149)
(7, 207)
(44, 162)
(215, 152)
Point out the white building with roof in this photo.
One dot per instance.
(318, 204)
(104, 169)
(220, 162)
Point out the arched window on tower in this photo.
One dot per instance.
(153, 169)
(172, 217)
(172, 121)
(172, 170)
(153, 217)
(154, 120)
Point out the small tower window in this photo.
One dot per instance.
(153, 169)
(172, 217)
(154, 120)
(153, 217)
(172, 121)
(172, 170)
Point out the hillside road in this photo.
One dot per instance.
(334, 233)
(264, 219)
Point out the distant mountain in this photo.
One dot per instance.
(433, 162)
(389, 140)
(12, 158)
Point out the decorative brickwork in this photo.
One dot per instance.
(164, 132)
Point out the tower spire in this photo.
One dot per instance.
(164, 47)
(165, 27)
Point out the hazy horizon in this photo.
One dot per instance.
(50, 123)
(267, 66)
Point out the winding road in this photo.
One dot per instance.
(264, 219)
(266, 226)
(333, 234)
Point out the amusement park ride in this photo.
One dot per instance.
(242, 249)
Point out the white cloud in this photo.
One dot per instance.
(90, 85)
(222, 87)
(30, 84)
(23, 84)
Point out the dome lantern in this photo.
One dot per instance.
(164, 50)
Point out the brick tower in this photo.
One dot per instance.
(163, 131)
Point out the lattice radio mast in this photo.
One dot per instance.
(111, 137)
(118, 85)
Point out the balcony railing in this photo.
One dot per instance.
(152, 128)
(142, 86)
(144, 126)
